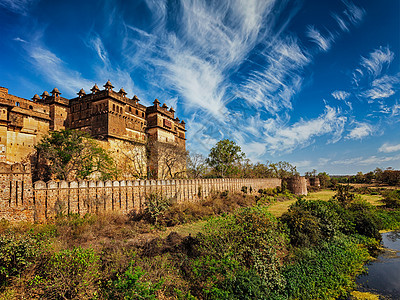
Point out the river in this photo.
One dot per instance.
(383, 275)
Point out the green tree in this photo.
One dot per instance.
(225, 157)
(70, 155)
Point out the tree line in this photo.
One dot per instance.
(75, 155)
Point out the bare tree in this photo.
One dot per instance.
(166, 160)
(196, 165)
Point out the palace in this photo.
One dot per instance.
(120, 124)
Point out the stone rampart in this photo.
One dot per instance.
(21, 200)
(83, 197)
(16, 198)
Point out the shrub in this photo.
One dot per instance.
(343, 195)
(310, 222)
(68, 274)
(130, 285)
(391, 198)
(326, 271)
(156, 205)
(247, 240)
(16, 253)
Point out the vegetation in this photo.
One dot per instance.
(70, 155)
(313, 251)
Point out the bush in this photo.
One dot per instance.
(130, 285)
(16, 253)
(247, 240)
(326, 271)
(68, 274)
(156, 205)
(310, 222)
(391, 198)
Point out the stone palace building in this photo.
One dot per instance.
(120, 124)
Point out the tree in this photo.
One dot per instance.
(224, 157)
(196, 165)
(283, 169)
(166, 160)
(71, 155)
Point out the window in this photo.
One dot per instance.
(136, 112)
(17, 103)
(30, 107)
(113, 107)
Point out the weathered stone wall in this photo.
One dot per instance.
(123, 196)
(297, 185)
(16, 198)
(21, 200)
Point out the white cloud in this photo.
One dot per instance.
(377, 59)
(18, 6)
(382, 87)
(360, 131)
(98, 46)
(387, 148)
(287, 138)
(340, 95)
(55, 70)
(324, 43)
(354, 13)
(279, 80)
(342, 24)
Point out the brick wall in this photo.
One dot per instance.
(123, 196)
(21, 200)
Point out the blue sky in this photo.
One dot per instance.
(312, 82)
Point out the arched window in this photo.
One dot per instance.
(17, 103)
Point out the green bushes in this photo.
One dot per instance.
(68, 274)
(326, 271)
(130, 285)
(16, 253)
(246, 242)
(391, 198)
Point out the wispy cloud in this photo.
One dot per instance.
(342, 24)
(340, 95)
(365, 161)
(302, 133)
(382, 87)
(388, 148)
(18, 6)
(324, 43)
(273, 86)
(360, 131)
(377, 60)
(354, 13)
(56, 71)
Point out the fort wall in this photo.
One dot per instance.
(20, 200)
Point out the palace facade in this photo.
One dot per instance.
(121, 125)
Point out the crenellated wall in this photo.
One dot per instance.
(123, 196)
(21, 200)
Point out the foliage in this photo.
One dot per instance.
(68, 274)
(224, 156)
(343, 195)
(130, 285)
(246, 240)
(326, 271)
(156, 205)
(310, 222)
(16, 253)
(70, 155)
(391, 198)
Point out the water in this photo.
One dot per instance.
(383, 276)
